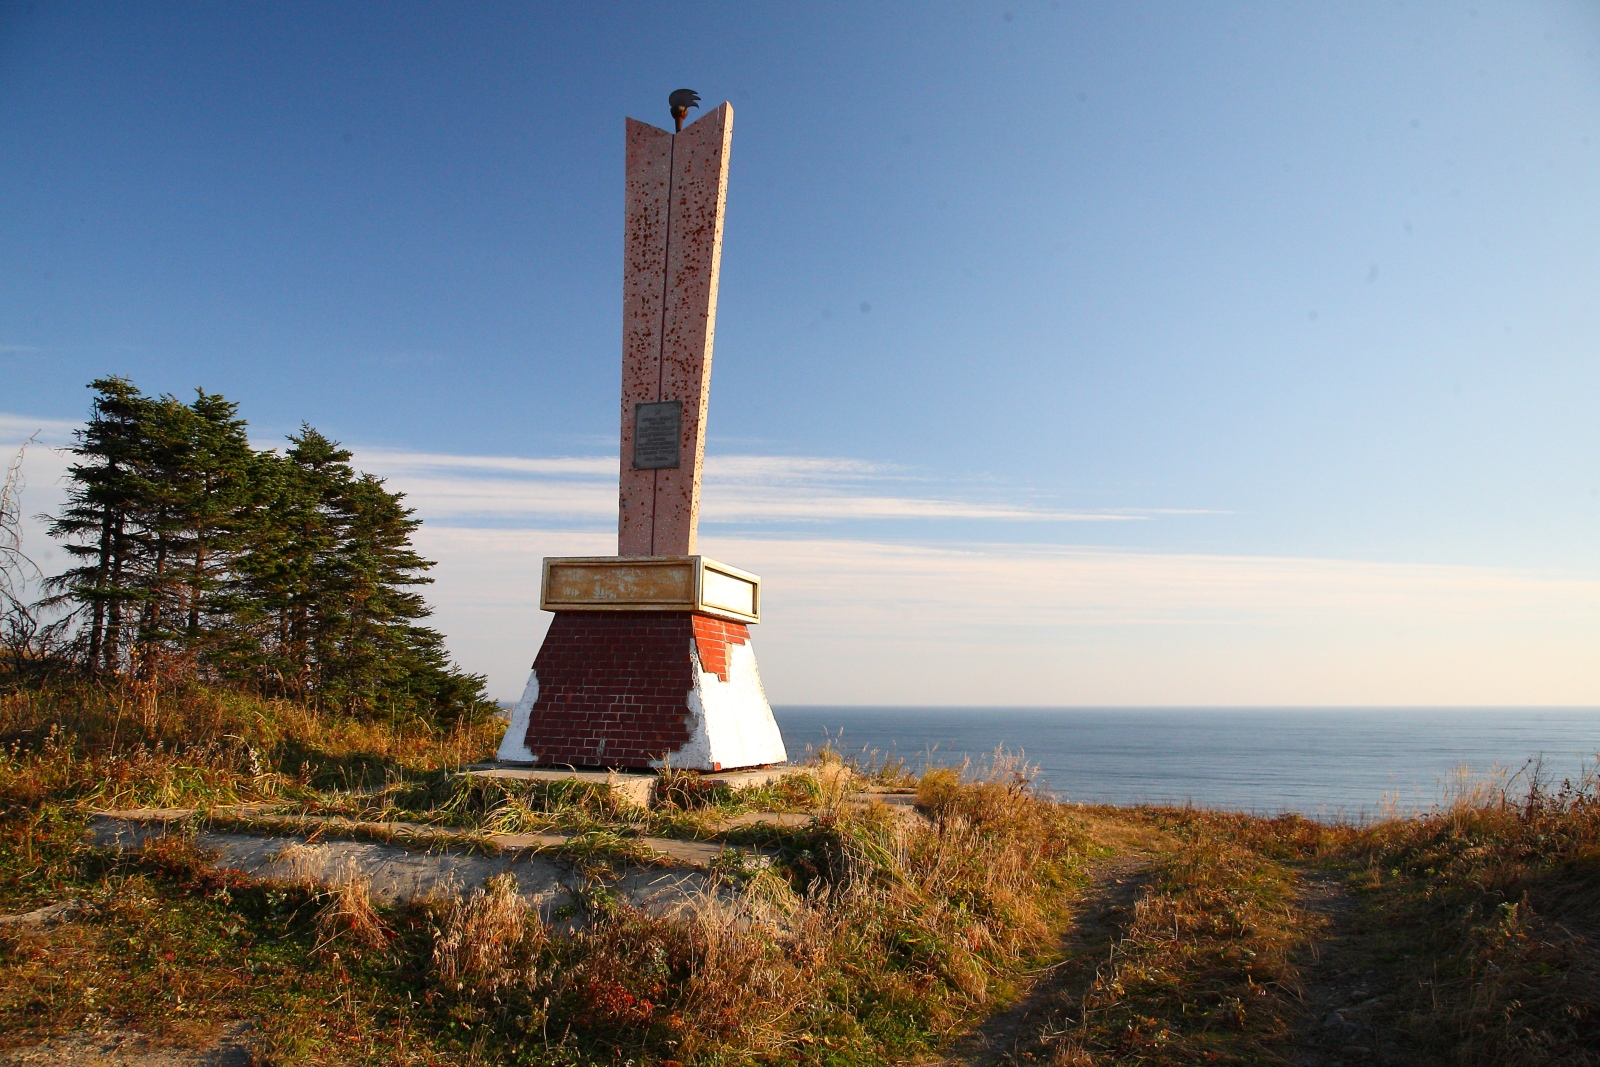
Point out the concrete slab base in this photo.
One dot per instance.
(753, 778)
(638, 790)
(395, 873)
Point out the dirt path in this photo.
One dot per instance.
(1102, 912)
(1349, 1007)
(1348, 1003)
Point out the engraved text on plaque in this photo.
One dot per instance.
(655, 435)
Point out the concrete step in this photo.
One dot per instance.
(131, 828)
(634, 787)
(396, 874)
(638, 790)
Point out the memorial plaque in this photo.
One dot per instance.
(657, 583)
(655, 435)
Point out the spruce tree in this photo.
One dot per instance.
(216, 507)
(96, 523)
(151, 512)
(194, 483)
(377, 571)
(292, 573)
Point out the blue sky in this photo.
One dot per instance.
(1099, 305)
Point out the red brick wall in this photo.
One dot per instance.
(614, 685)
(711, 636)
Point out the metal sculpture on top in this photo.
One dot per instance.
(680, 102)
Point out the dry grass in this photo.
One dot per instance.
(868, 937)
(482, 945)
(705, 983)
(127, 744)
(1204, 969)
(1478, 917)
(871, 936)
(347, 922)
(1490, 907)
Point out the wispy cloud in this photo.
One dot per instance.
(779, 504)
(468, 490)
(389, 462)
(503, 490)
(859, 621)
(15, 429)
(850, 619)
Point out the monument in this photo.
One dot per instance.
(648, 660)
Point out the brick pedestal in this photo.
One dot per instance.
(632, 689)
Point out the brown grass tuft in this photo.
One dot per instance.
(705, 980)
(347, 921)
(484, 941)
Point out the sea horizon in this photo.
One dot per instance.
(1329, 762)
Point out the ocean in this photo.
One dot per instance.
(1326, 763)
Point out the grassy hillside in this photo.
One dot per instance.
(997, 927)
(867, 939)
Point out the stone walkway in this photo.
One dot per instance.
(420, 861)
(405, 861)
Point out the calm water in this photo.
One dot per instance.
(1322, 762)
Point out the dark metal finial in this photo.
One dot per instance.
(680, 102)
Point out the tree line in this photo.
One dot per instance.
(284, 571)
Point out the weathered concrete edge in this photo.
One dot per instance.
(636, 788)
(552, 883)
(410, 837)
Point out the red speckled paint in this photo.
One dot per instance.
(672, 251)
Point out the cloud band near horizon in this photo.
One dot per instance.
(894, 620)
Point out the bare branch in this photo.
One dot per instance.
(16, 569)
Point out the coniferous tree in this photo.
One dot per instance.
(96, 524)
(292, 573)
(215, 507)
(289, 577)
(164, 495)
(276, 516)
